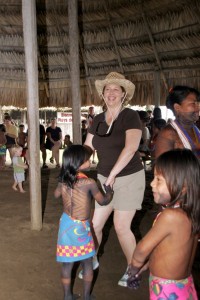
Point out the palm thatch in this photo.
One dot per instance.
(134, 37)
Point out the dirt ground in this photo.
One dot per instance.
(28, 270)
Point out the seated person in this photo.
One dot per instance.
(67, 141)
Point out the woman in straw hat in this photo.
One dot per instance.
(115, 134)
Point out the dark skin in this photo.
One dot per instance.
(169, 246)
(77, 205)
(186, 113)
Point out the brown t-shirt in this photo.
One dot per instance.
(109, 148)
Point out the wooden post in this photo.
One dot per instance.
(75, 69)
(157, 88)
(1, 115)
(31, 62)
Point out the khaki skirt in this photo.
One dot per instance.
(128, 191)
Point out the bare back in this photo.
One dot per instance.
(168, 139)
(170, 245)
(77, 202)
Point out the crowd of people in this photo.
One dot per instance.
(51, 138)
(120, 135)
(123, 139)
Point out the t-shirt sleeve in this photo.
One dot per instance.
(94, 124)
(131, 120)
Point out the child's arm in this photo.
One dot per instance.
(101, 196)
(58, 191)
(23, 165)
(161, 229)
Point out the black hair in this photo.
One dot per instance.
(144, 116)
(2, 128)
(159, 123)
(68, 136)
(178, 93)
(21, 126)
(7, 117)
(73, 157)
(181, 170)
(157, 114)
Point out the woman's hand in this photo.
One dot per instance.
(110, 180)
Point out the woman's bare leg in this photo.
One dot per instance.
(122, 223)
(55, 152)
(99, 219)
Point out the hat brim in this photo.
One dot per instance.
(125, 83)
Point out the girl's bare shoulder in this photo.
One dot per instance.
(175, 215)
(168, 132)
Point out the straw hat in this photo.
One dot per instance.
(119, 79)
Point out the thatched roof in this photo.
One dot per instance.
(137, 38)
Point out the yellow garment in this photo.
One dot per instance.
(12, 129)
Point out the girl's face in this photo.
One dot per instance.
(113, 95)
(18, 152)
(188, 109)
(160, 190)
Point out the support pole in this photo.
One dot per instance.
(157, 88)
(31, 62)
(74, 67)
(1, 115)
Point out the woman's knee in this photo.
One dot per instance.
(99, 219)
(97, 226)
(122, 227)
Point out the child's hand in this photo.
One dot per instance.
(108, 189)
(134, 278)
(134, 282)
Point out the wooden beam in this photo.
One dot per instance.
(60, 31)
(43, 73)
(75, 70)
(1, 115)
(112, 33)
(157, 88)
(154, 47)
(31, 62)
(85, 64)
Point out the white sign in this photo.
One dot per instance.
(64, 118)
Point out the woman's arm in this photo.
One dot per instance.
(132, 141)
(60, 136)
(88, 141)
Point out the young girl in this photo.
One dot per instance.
(3, 141)
(19, 166)
(169, 247)
(75, 242)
